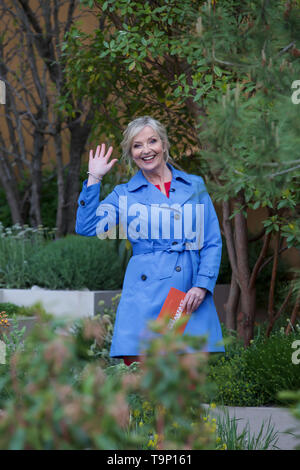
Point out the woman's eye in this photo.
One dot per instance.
(152, 141)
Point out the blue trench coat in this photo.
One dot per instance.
(164, 255)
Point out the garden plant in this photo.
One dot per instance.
(52, 398)
(30, 257)
(59, 389)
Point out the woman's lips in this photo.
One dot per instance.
(149, 158)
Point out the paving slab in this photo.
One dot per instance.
(283, 422)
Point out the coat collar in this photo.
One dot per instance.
(139, 180)
(146, 193)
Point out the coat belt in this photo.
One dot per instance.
(174, 249)
(140, 248)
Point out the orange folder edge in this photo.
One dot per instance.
(172, 309)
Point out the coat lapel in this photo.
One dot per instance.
(144, 192)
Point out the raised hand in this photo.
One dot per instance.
(99, 164)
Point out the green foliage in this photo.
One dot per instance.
(10, 308)
(54, 410)
(58, 391)
(75, 262)
(256, 166)
(133, 65)
(241, 439)
(292, 397)
(31, 257)
(57, 400)
(22, 311)
(173, 382)
(252, 127)
(92, 346)
(254, 376)
(14, 342)
(17, 245)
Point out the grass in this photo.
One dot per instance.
(234, 437)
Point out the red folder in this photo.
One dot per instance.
(172, 311)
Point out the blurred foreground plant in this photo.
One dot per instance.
(293, 397)
(4, 322)
(173, 381)
(59, 400)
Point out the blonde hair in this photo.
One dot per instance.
(134, 127)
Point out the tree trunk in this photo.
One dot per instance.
(36, 175)
(79, 135)
(231, 305)
(294, 315)
(248, 293)
(8, 182)
(271, 312)
(280, 311)
(60, 185)
(12, 200)
(248, 304)
(234, 293)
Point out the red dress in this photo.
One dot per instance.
(130, 359)
(167, 187)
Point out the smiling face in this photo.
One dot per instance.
(147, 150)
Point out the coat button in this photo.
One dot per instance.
(174, 243)
(143, 277)
(178, 268)
(82, 203)
(172, 190)
(177, 216)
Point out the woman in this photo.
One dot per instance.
(169, 218)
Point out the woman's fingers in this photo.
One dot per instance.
(188, 301)
(193, 299)
(111, 164)
(100, 152)
(192, 304)
(99, 163)
(109, 152)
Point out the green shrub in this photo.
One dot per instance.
(89, 347)
(254, 376)
(10, 309)
(17, 245)
(56, 400)
(76, 262)
(31, 256)
(36, 309)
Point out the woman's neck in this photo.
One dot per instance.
(158, 176)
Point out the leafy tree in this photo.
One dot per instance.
(32, 68)
(253, 132)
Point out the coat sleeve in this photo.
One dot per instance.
(94, 217)
(211, 251)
